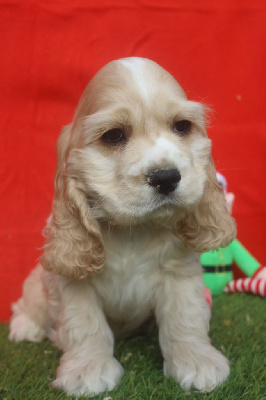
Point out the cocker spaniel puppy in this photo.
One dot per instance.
(136, 200)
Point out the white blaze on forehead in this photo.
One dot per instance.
(163, 154)
(133, 62)
(148, 75)
(138, 68)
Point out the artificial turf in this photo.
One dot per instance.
(238, 329)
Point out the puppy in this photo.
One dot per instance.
(136, 200)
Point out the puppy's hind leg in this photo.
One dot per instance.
(30, 320)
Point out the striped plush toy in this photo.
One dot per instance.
(256, 284)
(218, 265)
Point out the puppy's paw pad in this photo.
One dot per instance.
(95, 377)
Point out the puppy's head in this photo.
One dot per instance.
(137, 152)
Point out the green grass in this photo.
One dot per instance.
(238, 328)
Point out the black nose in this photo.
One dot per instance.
(164, 180)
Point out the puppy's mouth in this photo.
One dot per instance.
(161, 203)
(137, 207)
(158, 207)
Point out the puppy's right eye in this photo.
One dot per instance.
(114, 137)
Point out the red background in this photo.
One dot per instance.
(50, 50)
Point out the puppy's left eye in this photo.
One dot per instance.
(114, 136)
(182, 127)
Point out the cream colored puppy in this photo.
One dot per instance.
(136, 200)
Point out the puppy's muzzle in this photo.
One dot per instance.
(164, 181)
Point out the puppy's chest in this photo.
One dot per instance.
(133, 270)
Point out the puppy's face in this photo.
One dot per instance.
(139, 148)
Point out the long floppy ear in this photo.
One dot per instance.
(208, 225)
(73, 245)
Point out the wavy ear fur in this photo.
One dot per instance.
(208, 225)
(73, 240)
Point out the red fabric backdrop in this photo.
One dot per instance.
(49, 51)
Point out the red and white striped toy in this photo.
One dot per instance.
(208, 295)
(249, 285)
(256, 284)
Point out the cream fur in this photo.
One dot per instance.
(134, 250)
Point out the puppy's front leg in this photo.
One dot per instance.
(183, 318)
(87, 365)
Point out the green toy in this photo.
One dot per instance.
(218, 265)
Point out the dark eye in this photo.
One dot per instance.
(182, 127)
(114, 136)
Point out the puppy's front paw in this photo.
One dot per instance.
(197, 365)
(82, 375)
